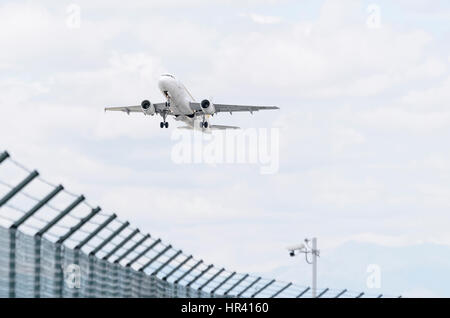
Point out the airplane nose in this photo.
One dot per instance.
(165, 82)
(161, 83)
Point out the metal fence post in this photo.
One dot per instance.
(223, 282)
(155, 258)
(178, 267)
(323, 292)
(77, 249)
(120, 245)
(211, 279)
(236, 284)
(131, 249)
(142, 269)
(38, 244)
(200, 275)
(37, 266)
(13, 236)
(12, 231)
(281, 290)
(248, 287)
(18, 187)
(303, 292)
(188, 272)
(127, 269)
(155, 272)
(12, 262)
(265, 286)
(114, 279)
(93, 258)
(134, 260)
(59, 274)
(341, 293)
(4, 156)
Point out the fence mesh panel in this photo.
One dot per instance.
(97, 277)
(55, 244)
(4, 262)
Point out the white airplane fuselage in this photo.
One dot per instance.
(176, 94)
(180, 104)
(179, 100)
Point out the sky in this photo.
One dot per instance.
(363, 89)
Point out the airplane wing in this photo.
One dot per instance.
(135, 109)
(224, 108)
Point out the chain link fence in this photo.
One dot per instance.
(55, 244)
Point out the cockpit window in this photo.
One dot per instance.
(168, 75)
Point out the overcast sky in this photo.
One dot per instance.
(364, 93)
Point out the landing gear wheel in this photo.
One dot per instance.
(205, 124)
(166, 124)
(161, 125)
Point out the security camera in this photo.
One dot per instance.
(298, 247)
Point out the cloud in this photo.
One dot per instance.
(434, 98)
(363, 121)
(263, 19)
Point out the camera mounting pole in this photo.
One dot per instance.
(309, 249)
(315, 253)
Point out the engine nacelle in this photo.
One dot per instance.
(207, 107)
(148, 108)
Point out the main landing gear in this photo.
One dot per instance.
(164, 123)
(204, 123)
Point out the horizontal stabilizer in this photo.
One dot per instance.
(223, 127)
(212, 127)
(224, 108)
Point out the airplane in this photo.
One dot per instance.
(180, 104)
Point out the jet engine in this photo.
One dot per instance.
(208, 107)
(148, 108)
